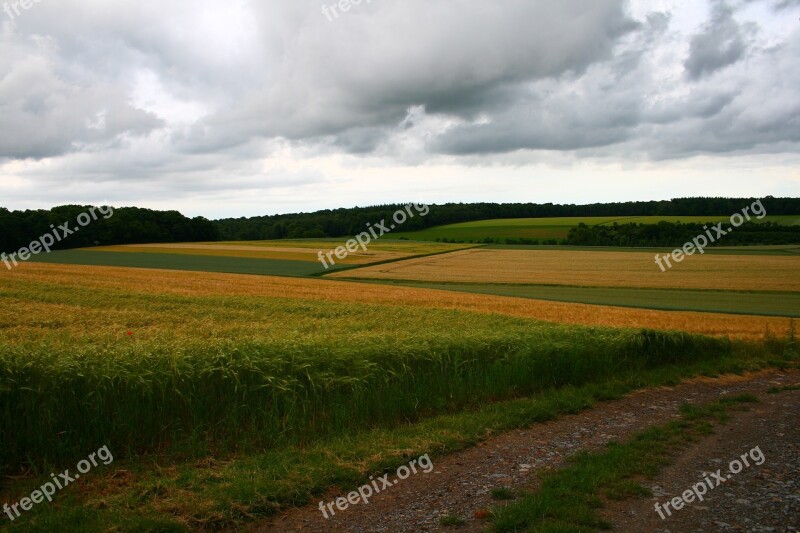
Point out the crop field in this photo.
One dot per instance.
(180, 366)
(784, 250)
(760, 282)
(289, 250)
(271, 258)
(550, 228)
(356, 266)
(228, 397)
(786, 304)
(594, 269)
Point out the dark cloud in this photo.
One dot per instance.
(405, 79)
(720, 44)
(367, 71)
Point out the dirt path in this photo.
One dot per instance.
(460, 483)
(760, 498)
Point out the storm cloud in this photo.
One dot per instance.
(194, 96)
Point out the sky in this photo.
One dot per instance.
(245, 107)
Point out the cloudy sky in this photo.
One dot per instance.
(248, 107)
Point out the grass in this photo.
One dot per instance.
(548, 228)
(786, 388)
(707, 301)
(176, 261)
(451, 521)
(784, 250)
(569, 498)
(502, 493)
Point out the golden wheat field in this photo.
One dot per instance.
(85, 278)
(594, 269)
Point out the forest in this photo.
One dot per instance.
(133, 225)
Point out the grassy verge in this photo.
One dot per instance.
(569, 498)
(166, 494)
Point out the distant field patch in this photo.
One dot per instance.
(751, 303)
(282, 250)
(594, 269)
(776, 249)
(550, 228)
(387, 244)
(180, 261)
(252, 252)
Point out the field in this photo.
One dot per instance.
(227, 397)
(734, 282)
(548, 228)
(785, 304)
(271, 258)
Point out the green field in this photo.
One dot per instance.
(784, 250)
(731, 302)
(178, 261)
(548, 228)
(217, 259)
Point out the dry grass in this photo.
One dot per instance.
(594, 269)
(196, 284)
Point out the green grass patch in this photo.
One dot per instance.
(569, 498)
(177, 261)
(544, 229)
(787, 388)
(786, 304)
(502, 493)
(451, 521)
(780, 250)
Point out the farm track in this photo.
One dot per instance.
(460, 483)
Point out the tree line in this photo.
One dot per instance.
(133, 225)
(127, 225)
(676, 234)
(342, 222)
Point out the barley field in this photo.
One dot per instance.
(43, 314)
(150, 360)
(594, 269)
(198, 380)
